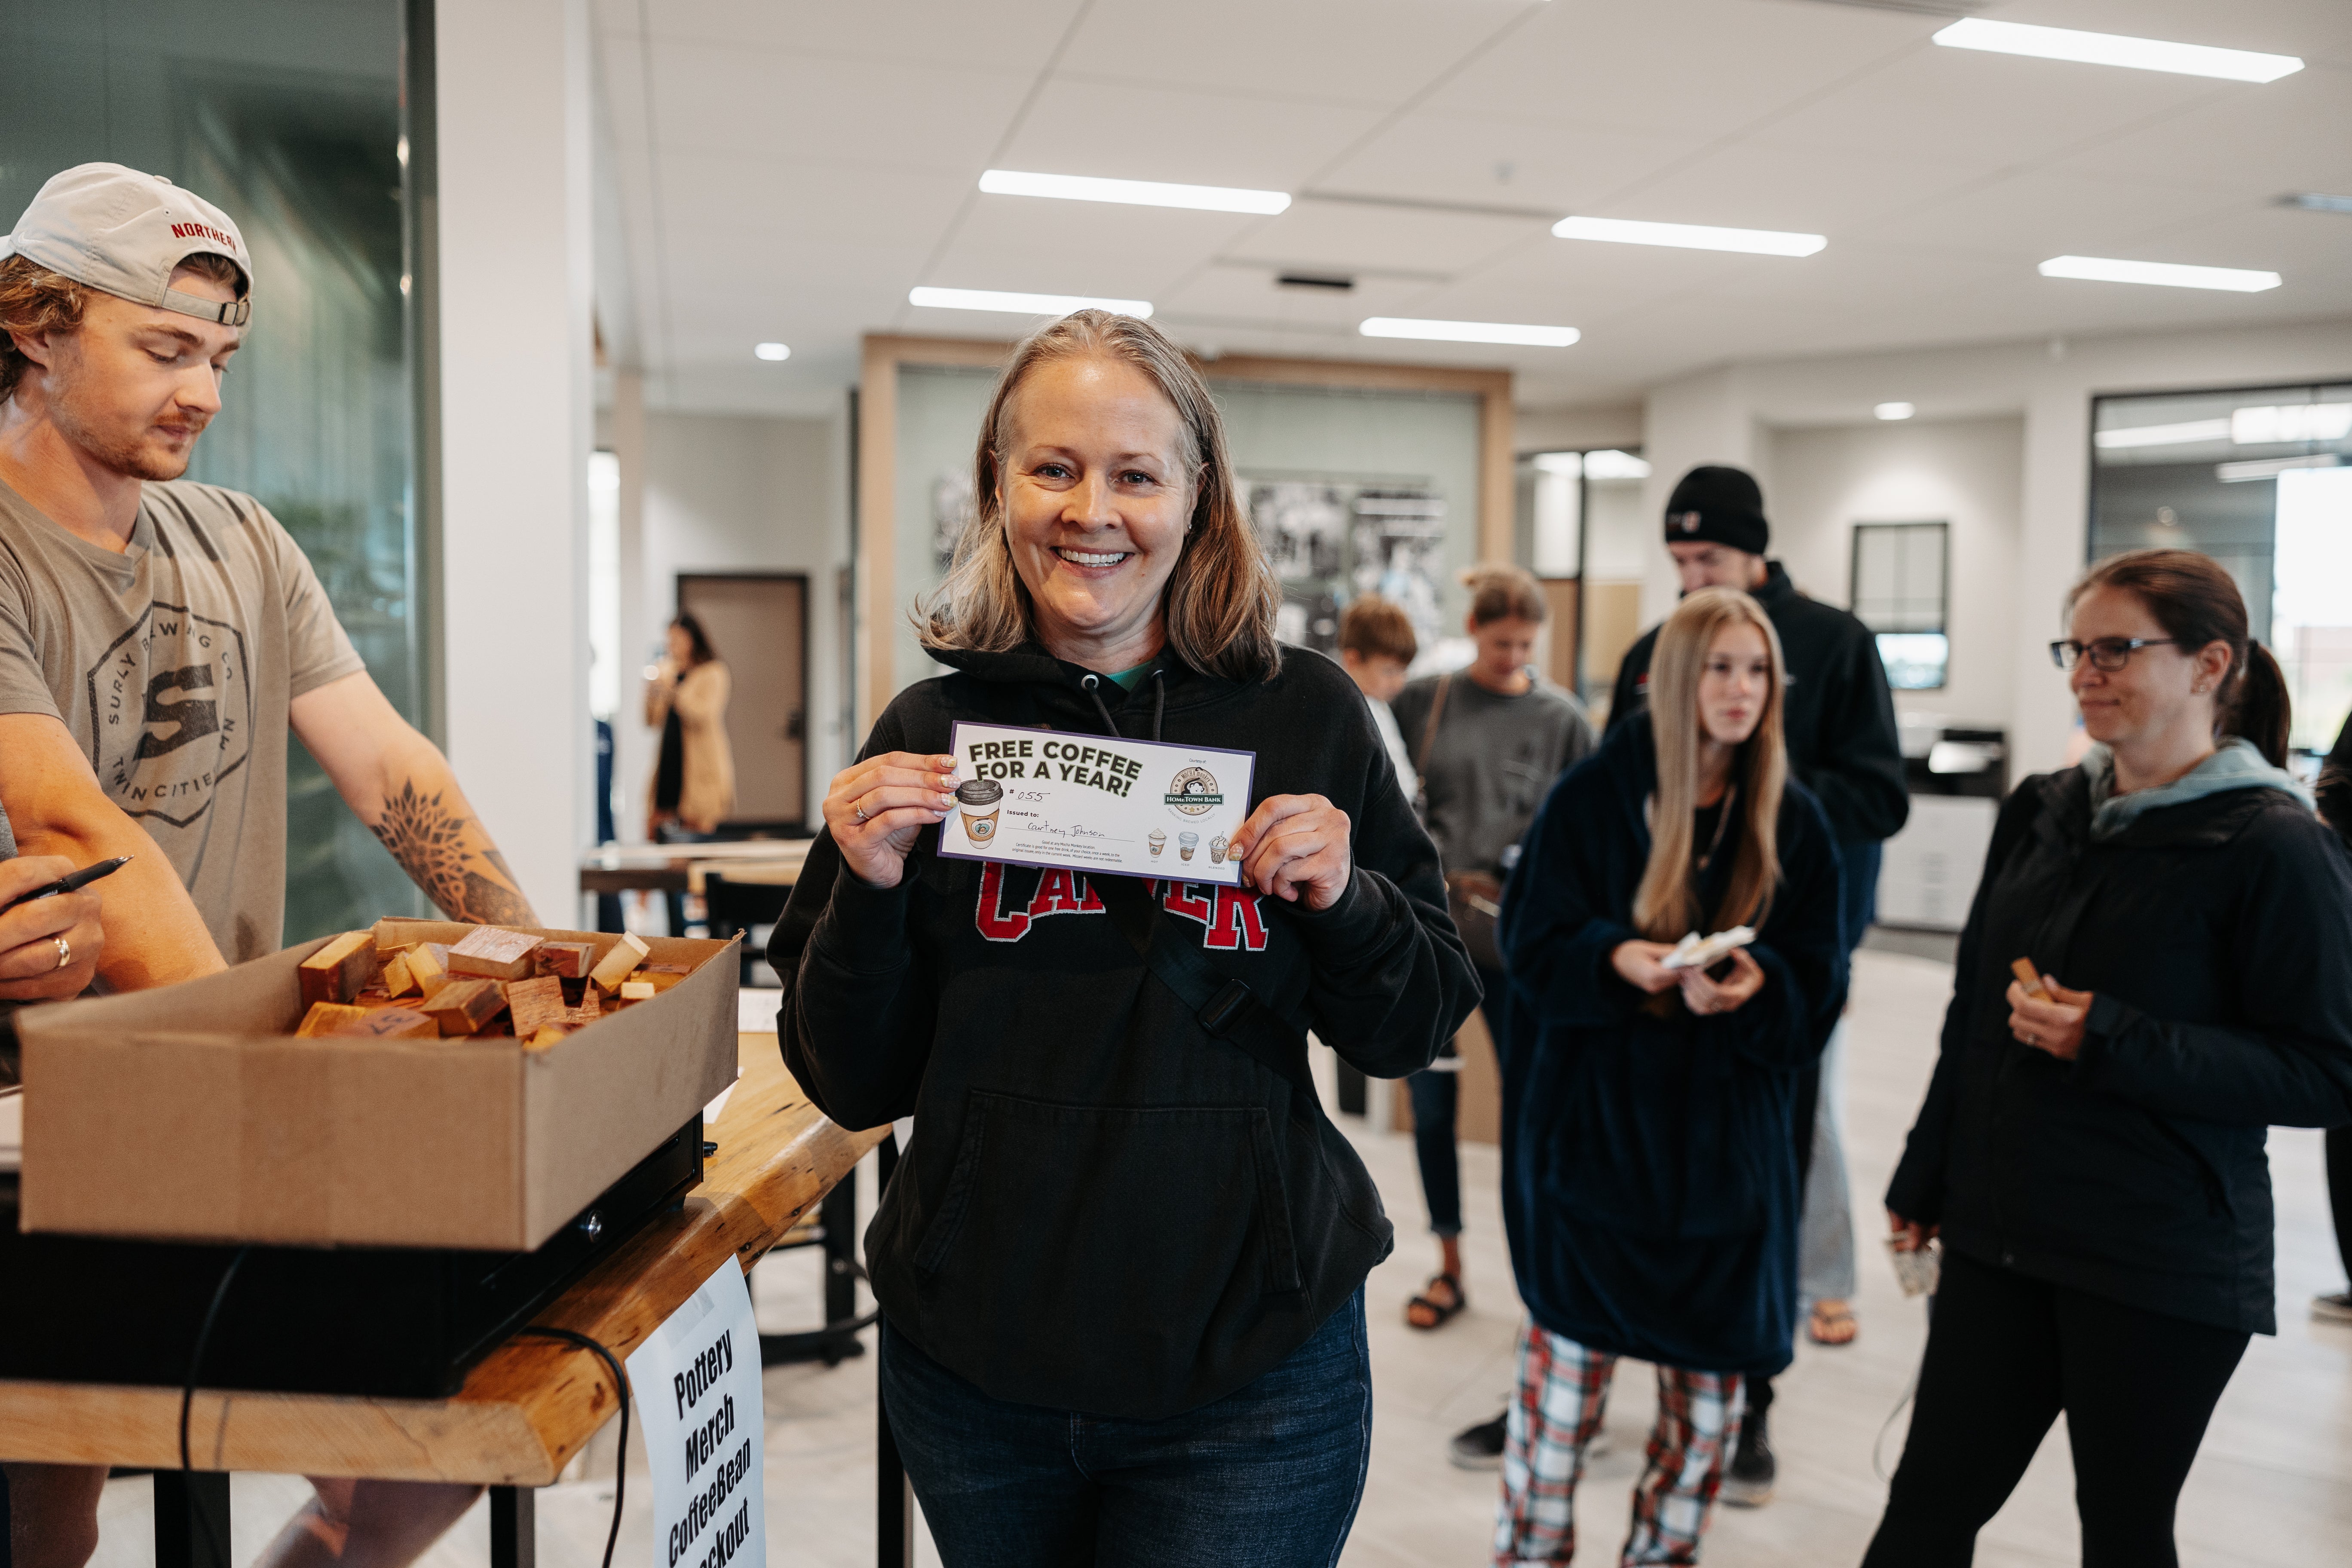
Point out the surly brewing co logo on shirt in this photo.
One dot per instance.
(170, 713)
(1194, 792)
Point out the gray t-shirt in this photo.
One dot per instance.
(172, 664)
(1490, 763)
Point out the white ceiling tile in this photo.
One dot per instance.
(1702, 68)
(1080, 125)
(2033, 215)
(784, 197)
(772, 103)
(1331, 51)
(1343, 235)
(1080, 248)
(2292, 134)
(1506, 160)
(1015, 36)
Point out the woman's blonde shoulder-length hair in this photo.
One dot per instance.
(1663, 906)
(1220, 601)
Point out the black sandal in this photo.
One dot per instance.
(1440, 1312)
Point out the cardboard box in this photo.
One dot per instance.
(189, 1112)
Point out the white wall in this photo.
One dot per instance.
(736, 494)
(513, 214)
(1725, 416)
(1969, 473)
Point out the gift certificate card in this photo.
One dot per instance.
(1128, 808)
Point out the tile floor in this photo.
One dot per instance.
(2269, 1488)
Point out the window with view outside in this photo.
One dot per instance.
(2261, 479)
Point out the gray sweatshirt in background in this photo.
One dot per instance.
(1490, 763)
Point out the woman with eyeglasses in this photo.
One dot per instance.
(2091, 1150)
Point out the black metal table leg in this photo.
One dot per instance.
(192, 1519)
(894, 1514)
(832, 1344)
(514, 1526)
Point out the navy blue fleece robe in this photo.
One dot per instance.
(1650, 1169)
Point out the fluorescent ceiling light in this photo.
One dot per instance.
(2291, 422)
(1611, 464)
(1133, 193)
(1023, 304)
(2107, 269)
(2116, 50)
(1689, 235)
(2181, 434)
(1567, 465)
(2318, 202)
(1894, 411)
(1469, 332)
(771, 351)
(2270, 468)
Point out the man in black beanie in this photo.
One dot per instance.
(1842, 741)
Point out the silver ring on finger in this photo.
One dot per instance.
(65, 953)
(860, 810)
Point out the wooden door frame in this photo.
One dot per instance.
(679, 580)
(877, 456)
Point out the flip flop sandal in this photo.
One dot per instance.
(1821, 1329)
(1440, 1312)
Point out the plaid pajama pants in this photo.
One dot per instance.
(1563, 1389)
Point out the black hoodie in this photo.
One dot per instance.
(1106, 1207)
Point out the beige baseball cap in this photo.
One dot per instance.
(123, 232)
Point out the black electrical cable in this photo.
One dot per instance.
(621, 1382)
(197, 1356)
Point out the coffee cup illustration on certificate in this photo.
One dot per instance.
(1096, 802)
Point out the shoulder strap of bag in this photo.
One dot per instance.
(1429, 728)
(1227, 1008)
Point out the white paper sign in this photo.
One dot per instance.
(1132, 808)
(697, 1383)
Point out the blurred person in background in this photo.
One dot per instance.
(693, 787)
(1844, 746)
(1487, 742)
(1650, 1161)
(2092, 1150)
(1376, 647)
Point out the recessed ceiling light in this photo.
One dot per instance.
(1894, 411)
(2116, 49)
(1689, 235)
(1469, 332)
(1133, 193)
(771, 351)
(2274, 423)
(2171, 275)
(2271, 467)
(1023, 304)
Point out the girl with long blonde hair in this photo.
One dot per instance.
(1649, 1105)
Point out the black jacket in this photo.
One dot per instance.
(1650, 1164)
(2217, 935)
(1840, 723)
(1106, 1207)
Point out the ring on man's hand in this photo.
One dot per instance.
(65, 953)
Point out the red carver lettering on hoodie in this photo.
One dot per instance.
(1232, 918)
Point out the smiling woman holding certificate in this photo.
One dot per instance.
(1121, 1268)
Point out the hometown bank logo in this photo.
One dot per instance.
(170, 713)
(1194, 792)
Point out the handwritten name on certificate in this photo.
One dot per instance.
(1128, 808)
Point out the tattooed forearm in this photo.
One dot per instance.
(448, 854)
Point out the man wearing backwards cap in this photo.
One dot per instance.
(157, 640)
(1842, 745)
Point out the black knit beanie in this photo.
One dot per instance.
(1715, 505)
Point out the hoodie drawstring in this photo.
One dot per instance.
(1091, 684)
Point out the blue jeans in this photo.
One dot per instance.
(1268, 1476)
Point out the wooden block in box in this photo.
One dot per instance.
(357, 1142)
(341, 969)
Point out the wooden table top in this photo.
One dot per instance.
(529, 1406)
(679, 868)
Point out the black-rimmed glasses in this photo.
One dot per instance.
(2109, 654)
